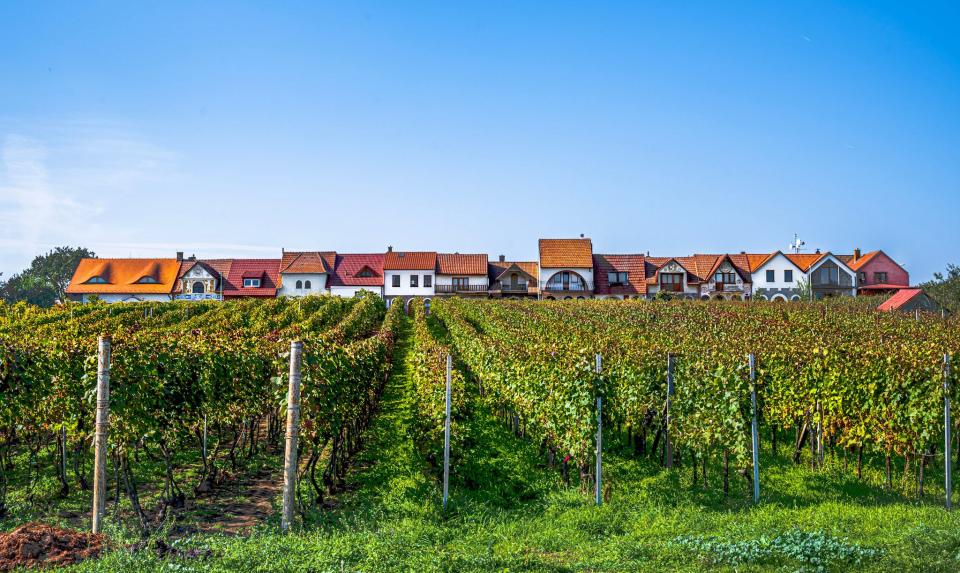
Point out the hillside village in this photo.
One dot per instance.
(565, 269)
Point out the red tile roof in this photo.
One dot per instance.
(902, 297)
(124, 276)
(633, 265)
(457, 264)
(566, 253)
(307, 262)
(410, 261)
(349, 265)
(268, 270)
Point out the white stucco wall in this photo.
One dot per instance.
(778, 264)
(471, 279)
(128, 297)
(351, 291)
(318, 284)
(586, 273)
(405, 289)
(673, 268)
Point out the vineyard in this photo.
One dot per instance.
(846, 400)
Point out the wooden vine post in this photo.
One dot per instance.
(599, 490)
(754, 430)
(668, 447)
(293, 421)
(947, 456)
(446, 436)
(101, 433)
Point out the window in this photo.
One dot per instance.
(428, 281)
(617, 278)
(299, 285)
(825, 275)
(414, 280)
(727, 278)
(880, 278)
(365, 272)
(198, 287)
(307, 285)
(565, 280)
(251, 283)
(147, 280)
(862, 277)
(97, 281)
(671, 282)
(460, 283)
(396, 281)
(788, 276)
(771, 276)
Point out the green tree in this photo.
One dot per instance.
(46, 280)
(945, 289)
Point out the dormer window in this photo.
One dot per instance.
(97, 280)
(147, 280)
(726, 278)
(617, 278)
(251, 283)
(364, 273)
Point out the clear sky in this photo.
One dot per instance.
(237, 128)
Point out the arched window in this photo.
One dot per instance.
(307, 285)
(197, 288)
(299, 285)
(566, 280)
(795, 298)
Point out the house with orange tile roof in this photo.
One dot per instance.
(513, 279)
(776, 277)
(357, 272)
(729, 277)
(678, 277)
(462, 274)
(826, 274)
(408, 275)
(304, 273)
(124, 280)
(566, 268)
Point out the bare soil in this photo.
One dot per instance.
(42, 545)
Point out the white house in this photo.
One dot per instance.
(200, 280)
(462, 274)
(354, 273)
(305, 273)
(675, 276)
(776, 277)
(566, 268)
(408, 275)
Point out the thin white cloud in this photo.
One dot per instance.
(58, 183)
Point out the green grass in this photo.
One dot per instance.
(510, 513)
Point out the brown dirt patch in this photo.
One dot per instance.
(41, 545)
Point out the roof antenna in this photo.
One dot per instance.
(796, 245)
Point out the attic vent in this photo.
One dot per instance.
(400, 255)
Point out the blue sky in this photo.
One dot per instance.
(236, 128)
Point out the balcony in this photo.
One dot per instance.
(508, 288)
(459, 289)
(565, 287)
(727, 287)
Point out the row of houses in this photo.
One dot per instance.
(565, 269)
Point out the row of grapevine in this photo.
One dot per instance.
(859, 380)
(178, 368)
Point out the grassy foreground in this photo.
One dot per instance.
(509, 513)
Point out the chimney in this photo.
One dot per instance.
(390, 249)
(856, 254)
(193, 257)
(818, 251)
(581, 235)
(503, 258)
(179, 256)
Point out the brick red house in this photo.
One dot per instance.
(877, 273)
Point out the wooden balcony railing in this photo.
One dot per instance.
(450, 289)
